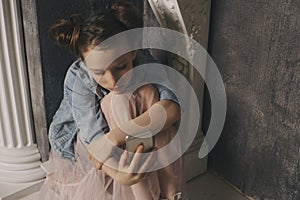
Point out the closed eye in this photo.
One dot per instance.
(98, 73)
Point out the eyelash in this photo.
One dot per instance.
(119, 68)
(98, 73)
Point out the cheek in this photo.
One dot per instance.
(97, 78)
(103, 83)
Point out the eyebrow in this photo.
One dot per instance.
(101, 70)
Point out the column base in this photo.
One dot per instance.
(12, 191)
(20, 165)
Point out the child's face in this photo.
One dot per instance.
(109, 76)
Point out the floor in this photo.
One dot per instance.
(208, 186)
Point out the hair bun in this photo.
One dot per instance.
(66, 32)
(128, 14)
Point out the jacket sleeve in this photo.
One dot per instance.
(85, 108)
(166, 94)
(62, 131)
(79, 111)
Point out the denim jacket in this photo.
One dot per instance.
(80, 108)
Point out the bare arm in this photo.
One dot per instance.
(125, 174)
(164, 113)
(160, 121)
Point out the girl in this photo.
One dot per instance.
(82, 128)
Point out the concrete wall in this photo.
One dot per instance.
(256, 45)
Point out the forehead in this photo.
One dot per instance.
(106, 53)
(101, 59)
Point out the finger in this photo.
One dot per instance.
(134, 164)
(123, 159)
(139, 149)
(99, 165)
(96, 164)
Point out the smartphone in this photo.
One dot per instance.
(144, 138)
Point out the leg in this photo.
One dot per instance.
(170, 177)
(147, 189)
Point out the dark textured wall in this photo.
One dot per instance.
(55, 60)
(256, 45)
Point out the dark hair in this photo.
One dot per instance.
(78, 35)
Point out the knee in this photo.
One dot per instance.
(148, 91)
(147, 95)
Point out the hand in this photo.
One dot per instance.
(130, 171)
(97, 164)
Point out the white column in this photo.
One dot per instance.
(19, 156)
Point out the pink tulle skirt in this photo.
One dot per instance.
(81, 181)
